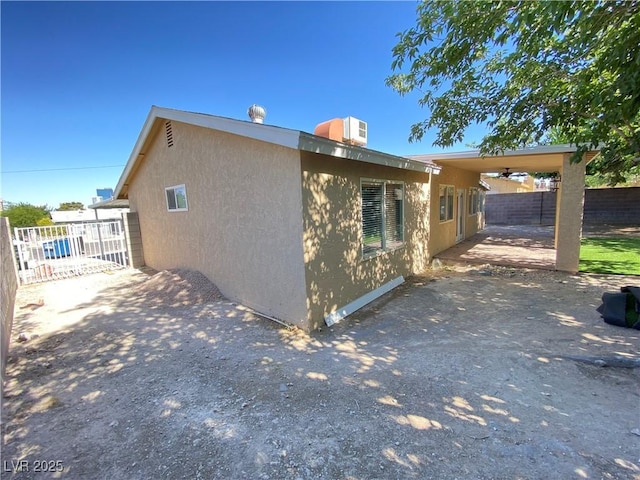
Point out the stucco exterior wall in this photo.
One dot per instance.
(443, 233)
(336, 273)
(243, 227)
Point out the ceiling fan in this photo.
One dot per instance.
(506, 173)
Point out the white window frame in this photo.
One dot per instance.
(172, 191)
(474, 195)
(449, 199)
(385, 245)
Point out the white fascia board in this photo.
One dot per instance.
(146, 127)
(325, 146)
(358, 303)
(538, 150)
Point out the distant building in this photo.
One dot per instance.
(87, 215)
(102, 194)
(517, 184)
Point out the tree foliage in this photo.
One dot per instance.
(523, 68)
(26, 215)
(597, 174)
(67, 206)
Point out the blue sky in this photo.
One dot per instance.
(79, 78)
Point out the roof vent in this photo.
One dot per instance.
(169, 132)
(256, 113)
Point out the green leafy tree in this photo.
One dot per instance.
(523, 68)
(26, 215)
(597, 174)
(67, 206)
(44, 222)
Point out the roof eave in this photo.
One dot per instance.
(537, 150)
(325, 146)
(112, 203)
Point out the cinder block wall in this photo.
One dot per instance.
(612, 206)
(9, 287)
(134, 239)
(536, 208)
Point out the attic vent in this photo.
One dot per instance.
(169, 131)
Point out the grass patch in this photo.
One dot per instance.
(617, 255)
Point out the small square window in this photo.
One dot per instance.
(176, 198)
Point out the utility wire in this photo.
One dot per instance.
(59, 169)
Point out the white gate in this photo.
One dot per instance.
(61, 251)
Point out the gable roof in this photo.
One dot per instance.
(284, 137)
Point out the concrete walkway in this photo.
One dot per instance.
(525, 246)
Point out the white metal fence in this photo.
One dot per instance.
(61, 251)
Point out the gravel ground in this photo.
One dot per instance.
(461, 373)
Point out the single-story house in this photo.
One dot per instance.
(307, 228)
(299, 227)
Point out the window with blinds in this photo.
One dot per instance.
(382, 216)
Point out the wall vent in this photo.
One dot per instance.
(169, 132)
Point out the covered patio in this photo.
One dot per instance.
(564, 250)
(525, 246)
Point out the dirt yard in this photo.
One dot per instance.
(468, 374)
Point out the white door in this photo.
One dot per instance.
(460, 216)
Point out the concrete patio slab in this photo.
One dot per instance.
(526, 246)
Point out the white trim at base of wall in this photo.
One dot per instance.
(348, 309)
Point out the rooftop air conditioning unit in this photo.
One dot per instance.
(355, 131)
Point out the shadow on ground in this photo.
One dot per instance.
(458, 375)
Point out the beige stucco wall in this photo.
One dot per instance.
(336, 273)
(443, 233)
(243, 227)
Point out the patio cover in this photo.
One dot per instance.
(548, 158)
